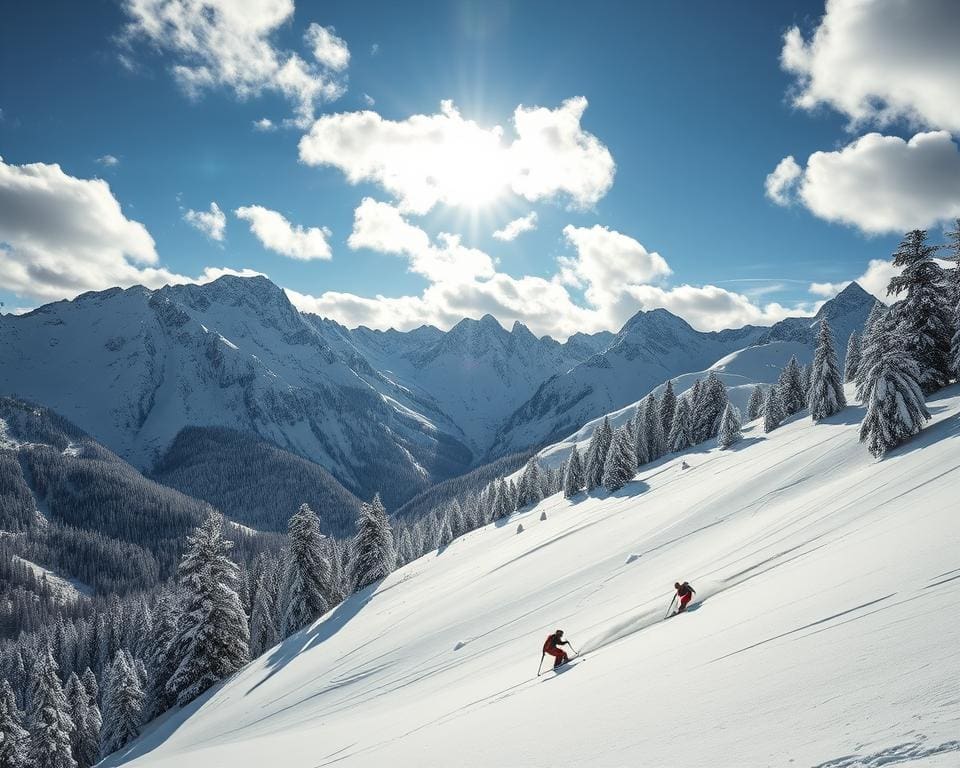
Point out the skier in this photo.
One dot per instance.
(550, 646)
(685, 592)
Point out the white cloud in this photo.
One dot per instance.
(380, 227)
(443, 158)
(880, 60)
(108, 160)
(781, 184)
(61, 236)
(264, 125)
(828, 290)
(513, 229)
(212, 223)
(375, 49)
(224, 43)
(881, 183)
(368, 100)
(279, 235)
(328, 49)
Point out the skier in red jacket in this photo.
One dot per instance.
(685, 592)
(550, 646)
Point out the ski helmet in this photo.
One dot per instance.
(558, 632)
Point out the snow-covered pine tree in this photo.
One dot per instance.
(89, 681)
(713, 400)
(826, 395)
(501, 501)
(471, 511)
(88, 743)
(597, 454)
(161, 658)
(668, 404)
(573, 480)
(923, 317)
(512, 495)
(49, 721)
(122, 705)
(374, 557)
(641, 440)
(621, 463)
(694, 396)
(790, 386)
(446, 530)
(773, 411)
(852, 362)
(894, 398)
(869, 351)
(306, 580)
(13, 736)
(681, 433)
(458, 521)
(654, 427)
(86, 733)
(755, 406)
(212, 639)
(529, 490)
(730, 423)
(263, 615)
(806, 375)
(955, 343)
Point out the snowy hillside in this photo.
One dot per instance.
(827, 582)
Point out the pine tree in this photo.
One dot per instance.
(790, 386)
(654, 427)
(306, 584)
(86, 734)
(730, 423)
(681, 434)
(806, 375)
(458, 521)
(826, 395)
(446, 530)
(597, 454)
(374, 556)
(50, 724)
(88, 744)
(529, 491)
(668, 404)
(869, 351)
(573, 480)
(263, 616)
(621, 462)
(212, 639)
(14, 738)
(641, 439)
(501, 501)
(755, 406)
(405, 552)
(894, 398)
(471, 512)
(852, 363)
(123, 705)
(773, 412)
(955, 343)
(713, 400)
(923, 317)
(161, 658)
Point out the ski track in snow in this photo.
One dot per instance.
(827, 586)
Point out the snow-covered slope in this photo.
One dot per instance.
(133, 367)
(822, 633)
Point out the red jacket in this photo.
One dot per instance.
(553, 641)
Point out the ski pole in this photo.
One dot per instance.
(671, 605)
(542, 657)
(575, 651)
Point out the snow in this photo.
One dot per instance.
(822, 634)
(68, 590)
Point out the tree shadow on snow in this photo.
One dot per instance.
(942, 430)
(744, 443)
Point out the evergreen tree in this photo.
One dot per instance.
(681, 434)
(446, 530)
(14, 738)
(641, 438)
(374, 556)
(263, 617)
(773, 412)
(621, 462)
(852, 363)
(161, 658)
(696, 391)
(458, 521)
(790, 386)
(86, 733)
(713, 400)
(89, 681)
(573, 480)
(529, 491)
(668, 404)
(123, 705)
(405, 547)
(806, 375)
(730, 423)
(501, 500)
(212, 639)
(894, 397)
(923, 317)
(88, 744)
(826, 390)
(955, 343)
(471, 511)
(755, 406)
(306, 584)
(654, 427)
(50, 724)
(597, 454)
(870, 351)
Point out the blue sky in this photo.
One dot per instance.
(690, 101)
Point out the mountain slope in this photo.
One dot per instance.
(827, 585)
(133, 367)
